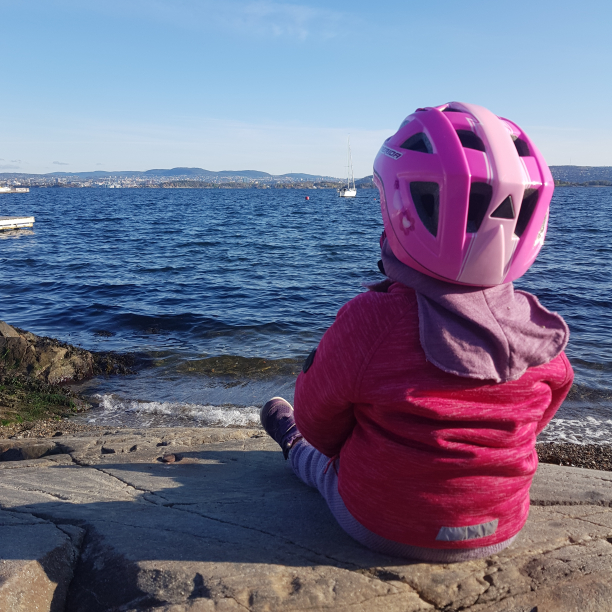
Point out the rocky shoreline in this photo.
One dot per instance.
(34, 372)
(36, 403)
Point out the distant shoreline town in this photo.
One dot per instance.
(198, 178)
(177, 178)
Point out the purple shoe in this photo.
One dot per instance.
(276, 418)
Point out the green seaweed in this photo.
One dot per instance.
(233, 366)
(23, 399)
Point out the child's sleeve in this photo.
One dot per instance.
(559, 391)
(326, 389)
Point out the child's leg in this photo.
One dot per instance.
(316, 470)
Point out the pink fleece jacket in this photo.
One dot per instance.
(427, 458)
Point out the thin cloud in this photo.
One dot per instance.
(15, 161)
(261, 18)
(61, 164)
(8, 167)
(281, 19)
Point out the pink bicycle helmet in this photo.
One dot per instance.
(464, 195)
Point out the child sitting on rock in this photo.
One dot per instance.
(417, 415)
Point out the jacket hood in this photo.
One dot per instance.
(493, 333)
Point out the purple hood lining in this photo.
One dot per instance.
(494, 333)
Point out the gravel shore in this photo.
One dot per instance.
(592, 456)
(49, 428)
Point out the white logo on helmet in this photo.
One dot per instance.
(390, 152)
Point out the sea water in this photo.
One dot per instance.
(223, 293)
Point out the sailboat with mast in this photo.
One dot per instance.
(349, 191)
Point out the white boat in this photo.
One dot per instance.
(349, 191)
(10, 223)
(14, 189)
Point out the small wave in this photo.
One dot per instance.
(602, 365)
(584, 393)
(116, 411)
(113, 317)
(588, 430)
(112, 410)
(159, 269)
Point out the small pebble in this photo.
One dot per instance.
(171, 458)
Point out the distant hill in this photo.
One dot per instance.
(170, 173)
(563, 174)
(306, 177)
(252, 174)
(366, 181)
(200, 172)
(177, 172)
(569, 174)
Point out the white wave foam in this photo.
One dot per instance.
(114, 410)
(587, 430)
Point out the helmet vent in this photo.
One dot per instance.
(448, 109)
(480, 198)
(530, 199)
(469, 140)
(505, 210)
(522, 148)
(426, 198)
(418, 142)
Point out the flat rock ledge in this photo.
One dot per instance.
(100, 522)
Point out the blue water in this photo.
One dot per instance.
(182, 276)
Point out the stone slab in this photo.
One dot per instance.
(6, 331)
(229, 527)
(36, 563)
(18, 450)
(554, 485)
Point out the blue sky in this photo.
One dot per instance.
(278, 85)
